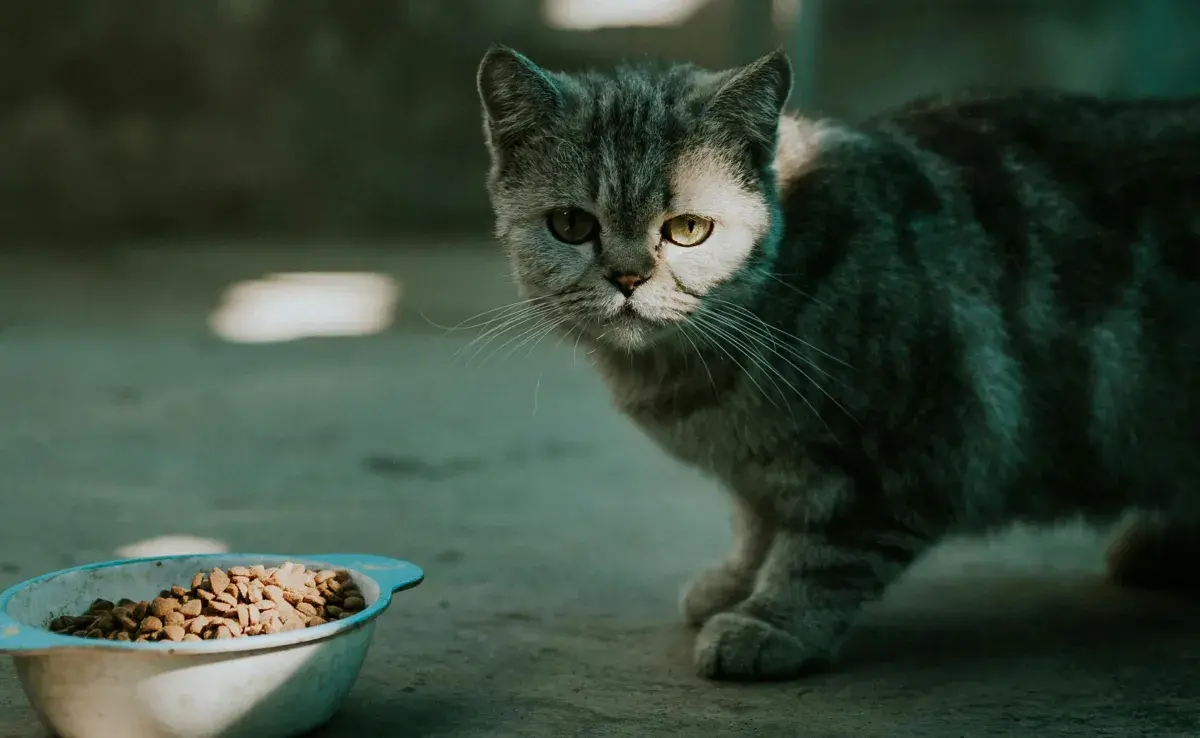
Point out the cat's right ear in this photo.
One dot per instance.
(517, 96)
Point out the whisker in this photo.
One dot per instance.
(700, 355)
(512, 323)
(759, 338)
(462, 326)
(723, 334)
(776, 329)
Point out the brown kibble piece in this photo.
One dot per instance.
(218, 581)
(238, 602)
(192, 609)
(100, 606)
(221, 607)
(163, 605)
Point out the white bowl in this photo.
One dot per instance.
(265, 686)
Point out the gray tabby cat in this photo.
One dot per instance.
(959, 314)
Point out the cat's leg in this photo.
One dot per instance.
(721, 587)
(809, 591)
(1157, 553)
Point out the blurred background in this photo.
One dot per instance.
(152, 119)
(249, 301)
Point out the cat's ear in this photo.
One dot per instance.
(517, 96)
(750, 99)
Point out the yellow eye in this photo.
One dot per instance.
(687, 230)
(572, 225)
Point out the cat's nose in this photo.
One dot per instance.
(627, 282)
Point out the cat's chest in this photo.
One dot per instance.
(719, 433)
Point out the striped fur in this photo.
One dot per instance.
(962, 313)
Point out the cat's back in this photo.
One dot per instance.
(1082, 218)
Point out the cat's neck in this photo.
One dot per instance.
(669, 380)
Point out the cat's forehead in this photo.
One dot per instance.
(627, 134)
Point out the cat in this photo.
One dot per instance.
(965, 312)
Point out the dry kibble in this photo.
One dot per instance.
(163, 605)
(218, 581)
(222, 604)
(192, 609)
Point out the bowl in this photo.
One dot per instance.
(265, 686)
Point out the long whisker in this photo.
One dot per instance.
(539, 324)
(703, 322)
(463, 325)
(699, 354)
(512, 322)
(780, 331)
(758, 338)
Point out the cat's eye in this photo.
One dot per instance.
(687, 230)
(572, 225)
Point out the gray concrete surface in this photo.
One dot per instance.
(555, 538)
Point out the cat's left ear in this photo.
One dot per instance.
(517, 96)
(750, 99)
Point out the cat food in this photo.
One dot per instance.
(223, 603)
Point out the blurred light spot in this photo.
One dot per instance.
(287, 307)
(172, 546)
(586, 15)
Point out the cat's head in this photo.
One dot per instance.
(628, 201)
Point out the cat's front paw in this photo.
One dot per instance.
(714, 591)
(737, 647)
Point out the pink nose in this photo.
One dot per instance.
(627, 282)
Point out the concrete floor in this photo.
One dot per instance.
(554, 537)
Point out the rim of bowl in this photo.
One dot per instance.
(225, 645)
